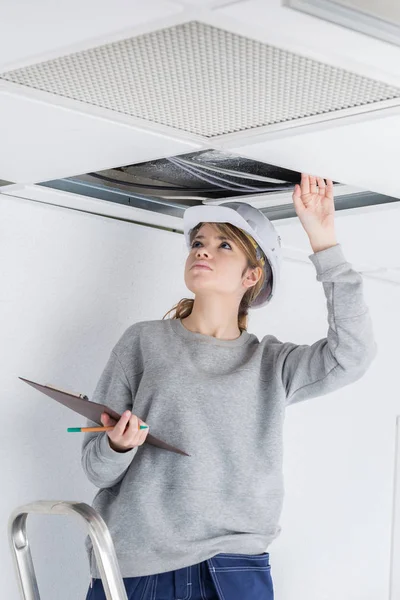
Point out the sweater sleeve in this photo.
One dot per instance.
(103, 466)
(346, 353)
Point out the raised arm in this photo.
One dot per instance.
(349, 348)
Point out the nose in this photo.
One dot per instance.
(201, 251)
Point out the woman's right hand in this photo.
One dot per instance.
(126, 434)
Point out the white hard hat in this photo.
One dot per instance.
(253, 222)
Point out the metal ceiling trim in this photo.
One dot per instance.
(142, 217)
(348, 17)
(154, 204)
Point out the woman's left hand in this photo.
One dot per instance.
(314, 205)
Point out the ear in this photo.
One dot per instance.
(252, 277)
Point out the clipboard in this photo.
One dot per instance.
(81, 404)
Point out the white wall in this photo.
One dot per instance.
(70, 285)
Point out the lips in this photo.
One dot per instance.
(201, 266)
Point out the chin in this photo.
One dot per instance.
(195, 286)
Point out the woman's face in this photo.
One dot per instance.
(225, 260)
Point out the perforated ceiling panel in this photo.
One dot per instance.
(203, 80)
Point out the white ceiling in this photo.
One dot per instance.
(44, 137)
(347, 153)
(40, 141)
(35, 31)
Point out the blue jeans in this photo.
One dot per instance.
(222, 577)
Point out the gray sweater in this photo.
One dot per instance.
(223, 402)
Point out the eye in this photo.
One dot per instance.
(197, 242)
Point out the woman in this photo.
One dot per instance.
(197, 527)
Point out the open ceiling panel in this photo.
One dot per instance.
(192, 104)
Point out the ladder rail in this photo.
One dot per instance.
(99, 534)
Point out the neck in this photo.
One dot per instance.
(216, 321)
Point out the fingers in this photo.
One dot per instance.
(313, 184)
(316, 185)
(321, 186)
(107, 421)
(141, 434)
(126, 433)
(308, 184)
(120, 427)
(329, 188)
(305, 184)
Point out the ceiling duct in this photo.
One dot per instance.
(170, 185)
(166, 187)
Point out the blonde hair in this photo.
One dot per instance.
(185, 306)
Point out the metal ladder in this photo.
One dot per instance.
(99, 534)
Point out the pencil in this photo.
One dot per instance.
(110, 428)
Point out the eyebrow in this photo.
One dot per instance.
(217, 237)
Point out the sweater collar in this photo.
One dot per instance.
(181, 330)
